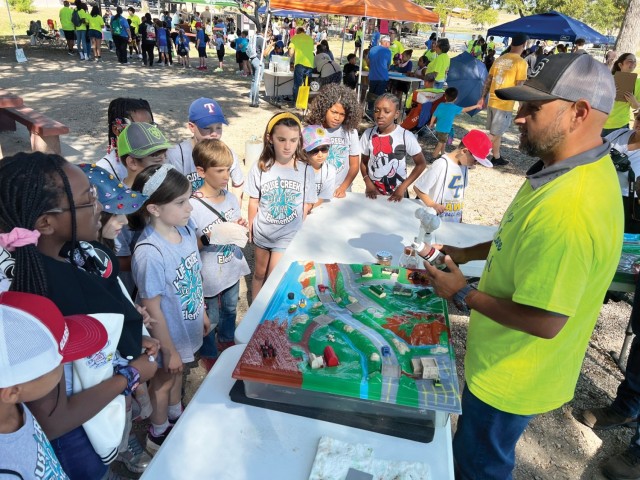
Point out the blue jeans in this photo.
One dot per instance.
(81, 42)
(77, 456)
(300, 72)
(255, 86)
(438, 84)
(485, 441)
(221, 310)
(378, 87)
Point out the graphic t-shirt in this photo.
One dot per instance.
(27, 452)
(506, 71)
(181, 157)
(325, 181)
(445, 182)
(343, 144)
(173, 271)
(387, 166)
(282, 193)
(445, 114)
(222, 265)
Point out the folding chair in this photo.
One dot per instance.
(418, 118)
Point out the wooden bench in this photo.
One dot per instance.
(45, 132)
(8, 99)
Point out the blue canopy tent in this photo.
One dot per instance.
(467, 74)
(549, 26)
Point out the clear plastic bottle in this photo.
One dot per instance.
(430, 254)
(407, 259)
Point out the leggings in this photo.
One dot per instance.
(121, 48)
(147, 51)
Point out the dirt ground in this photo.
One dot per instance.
(555, 446)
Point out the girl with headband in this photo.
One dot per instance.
(282, 190)
(50, 216)
(166, 269)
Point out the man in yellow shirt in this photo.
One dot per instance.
(67, 26)
(301, 46)
(396, 45)
(135, 37)
(548, 267)
(507, 71)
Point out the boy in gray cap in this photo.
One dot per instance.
(548, 267)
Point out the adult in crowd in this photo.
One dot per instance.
(578, 46)
(121, 35)
(254, 52)
(67, 26)
(491, 44)
(440, 66)
(82, 25)
(96, 23)
(358, 39)
(328, 69)
(538, 315)
(507, 71)
(135, 25)
(532, 60)
(148, 37)
(379, 60)
(432, 40)
(395, 45)
(619, 116)
(471, 43)
(301, 47)
(375, 37)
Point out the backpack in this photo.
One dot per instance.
(151, 32)
(75, 19)
(116, 26)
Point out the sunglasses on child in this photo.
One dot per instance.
(323, 149)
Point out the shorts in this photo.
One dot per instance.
(134, 36)
(244, 56)
(163, 49)
(271, 249)
(95, 34)
(442, 136)
(498, 121)
(69, 34)
(202, 52)
(220, 54)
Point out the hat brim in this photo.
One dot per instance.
(523, 93)
(127, 208)
(483, 161)
(318, 143)
(86, 336)
(145, 152)
(205, 122)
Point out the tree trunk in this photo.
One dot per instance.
(629, 36)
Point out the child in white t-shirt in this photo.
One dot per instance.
(442, 186)
(222, 265)
(316, 141)
(385, 148)
(205, 121)
(34, 326)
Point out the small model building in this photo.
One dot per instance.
(367, 272)
(330, 357)
(386, 271)
(423, 293)
(401, 291)
(427, 368)
(378, 291)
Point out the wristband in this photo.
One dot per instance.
(205, 240)
(460, 297)
(132, 375)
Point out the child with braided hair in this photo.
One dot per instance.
(336, 108)
(122, 111)
(52, 216)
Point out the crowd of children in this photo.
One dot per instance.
(144, 248)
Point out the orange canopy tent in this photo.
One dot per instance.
(400, 10)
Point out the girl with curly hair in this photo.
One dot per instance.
(336, 108)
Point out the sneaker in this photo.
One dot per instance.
(154, 442)
(499, 162)
(624, 466)
(134, 458)
(81, 56)
(239, 72)
(605, 418)
(218, 70)
(254, 105)
(70, 53)
(207, 363)
(222, 346)
(139, 55)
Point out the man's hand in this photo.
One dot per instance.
(445, 284)
(457, 254)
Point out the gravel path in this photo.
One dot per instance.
(555, 446)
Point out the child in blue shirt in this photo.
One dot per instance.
(443, 118)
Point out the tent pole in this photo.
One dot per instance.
(344, 31)
(264, 45)
(364, 21)
(12, 27)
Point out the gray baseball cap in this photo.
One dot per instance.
(141, 140)
(566, 76)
